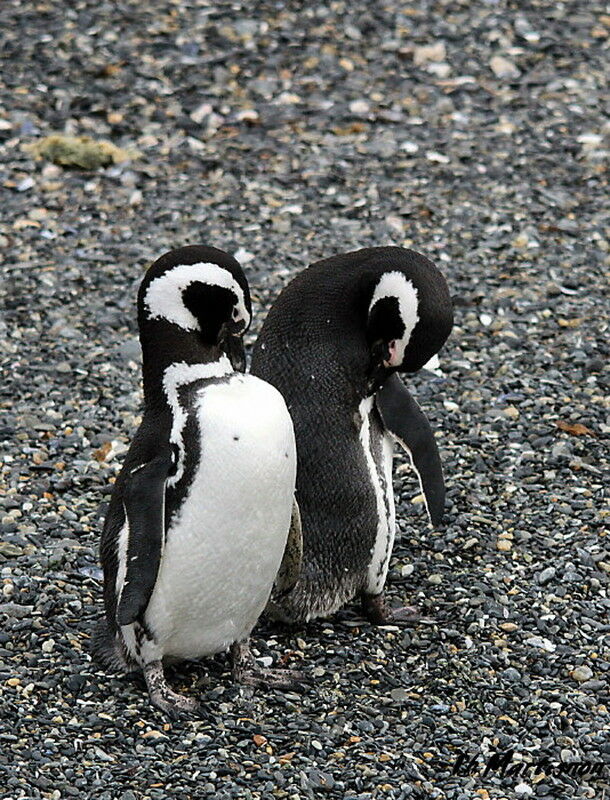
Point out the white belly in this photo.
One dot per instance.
(224, 547)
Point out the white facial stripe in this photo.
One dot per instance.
(163, 297)
(394, 284)
(175, 376)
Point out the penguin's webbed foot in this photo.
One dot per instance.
(163, 697)
(378, 612)
(245, 670)
(290, 679)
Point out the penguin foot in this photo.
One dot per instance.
(163, 697)
(378, 612)
(245, 670)
(290, 679)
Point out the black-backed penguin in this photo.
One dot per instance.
(331, 344)
(200, 512)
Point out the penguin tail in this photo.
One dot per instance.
(107, 649)
(310, 599)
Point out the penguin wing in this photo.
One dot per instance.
(407, 423)
(144, 503)
(290, 568)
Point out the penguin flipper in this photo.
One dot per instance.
(144, 502)
(407, 423)
(290, 568)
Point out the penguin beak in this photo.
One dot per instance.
(378, 369)
(232, 343)
(237, 353)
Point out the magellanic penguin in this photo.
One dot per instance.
(332, 343)
(200, 512)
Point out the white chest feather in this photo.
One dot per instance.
(225, 544)
(378, 456)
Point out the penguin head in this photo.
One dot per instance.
(196, 296)
(409, 314)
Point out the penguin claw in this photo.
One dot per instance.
(162, 696)
(176, 706)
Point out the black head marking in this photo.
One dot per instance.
(212, 306)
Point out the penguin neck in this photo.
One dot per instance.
(177, 357)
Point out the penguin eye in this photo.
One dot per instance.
(235, 313)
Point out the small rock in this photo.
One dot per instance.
(10, 550)
(15, 610)
(546, 575)
(429, 52)
(503, 68)
(542, 643)
(317, 780)
(440, 69)
(595, 686)
(25, 185)
(395, 224)
(436, 578)
(437, 158)
(582, 674)
(243, 256)
(200, 113)
(561, 450)
(359, 107)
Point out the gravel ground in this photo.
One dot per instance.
(472, 131)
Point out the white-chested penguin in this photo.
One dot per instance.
(331, 344)
(199, 515)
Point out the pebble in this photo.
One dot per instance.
(17, 611)
(359, 107)
(582, 674)
(7, 549)
(427, 53)
(504, 68)
(546, 575)
(542, 643)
